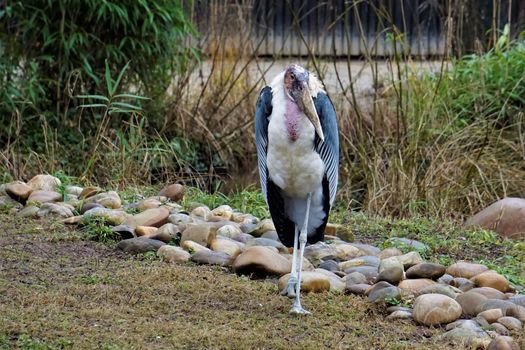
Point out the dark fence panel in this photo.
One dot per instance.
(374, 28)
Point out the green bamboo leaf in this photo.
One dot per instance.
(109, 81)
(94, 97)
(121, 74)
(125, 105)
(93, 105)
(137, 97)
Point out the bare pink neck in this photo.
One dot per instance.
(291, 116)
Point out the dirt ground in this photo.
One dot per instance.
(58, 290)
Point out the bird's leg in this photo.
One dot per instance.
(297, 308)
(289, 289)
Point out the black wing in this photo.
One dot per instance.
(272, 193)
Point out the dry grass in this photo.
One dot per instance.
(57, 291)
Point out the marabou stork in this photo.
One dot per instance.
(298, 153)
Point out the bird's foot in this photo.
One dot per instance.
(289, 289)
(298, 310)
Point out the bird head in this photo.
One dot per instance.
(297, 88)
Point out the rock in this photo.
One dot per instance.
(209, 257)
(180, 218)
(151, 217)
(73, 220)
(331, 229)
(28, 211)
(89, 191)
(465, 269)
(74, 190)
(358, 289)
(265, 242)
(466, 324)
(315, 253)
(229, 231)
(490, 293)
(434, 309)
(426, 270)
(503, 343)
(271, 235)
(401, 242)
(400, 315)
(109, 199)
(139, 245)
(391, 270)
(491, 279)
(449, 291)
(175, 192)
(201, 212)
(124, 231)
(48, 209)
(491, 315)
(112, 217)
(202, 234)
(310, 282)
(506, 217)
(346, 251)
(84, 207)
(370, 272)
(504, 305)
(40, 196)
(193, 247)
(223, 212)
(18, 190)
(44, 183)
(367, 260)
(355, 278)
(518, 299)
(499, 328)
(414, 286)
(330, 265)
(409, 259)
(166, 233)
(264, 226)
(389, 252)
(367, 249)
(145, 231)
(307, 266)
(336, 282)
(171, 254)
(511, 323)
(445, 279)
(262, 262)
(467, 338)
(6, 201)
(470, 302)
(243, 238)
(342, 232)
(244, 218)
(462, 284)
(383, 291)
(227, 246)
(516, 311)
(149, 203)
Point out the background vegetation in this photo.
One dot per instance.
(114, 93)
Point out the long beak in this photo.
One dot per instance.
(310, 112)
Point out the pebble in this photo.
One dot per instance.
(367, 249)
(504, 305)
(409, 259)
(166, 233)
(112, 217)
(426, 270)
(445, 279)
(400, 315)
(193, 247)
(358, 289)
(223, 212)
(18, 190)
(434, 309)
(145, 231)
(262, 262)
(180, 218)
(383, 291)
(172, 254)
(89, 191)
(500, 329)
(124, 231)
(391, 270)
(414, 286)
(28, 211)
(174, 192)
(311, 281)
(355, 278)
(54, 209)
(449, 291)
(74, 190)
(389, 252)
(262, 227)
(72, 220)
(468, 324)
(41, 196)
(345, 251)
(202, 234)
(209, 257)
(490, 293)
(491, 315)
(151, 217)
(465, 269)
(271, 235)
(367, 260)
(491, 279)
(511, 323)
(201, 212)
(316, 252)
(370, 272)
(149, 203)
(139, 245)
(9, 202)
(463, 284)
(227, 246)
(330, 265)
(44, 183)
(518, 299)
(336, 283)
(503, 343)
(467, 338)
(470, 302)
(266, 242)
(109, 199)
